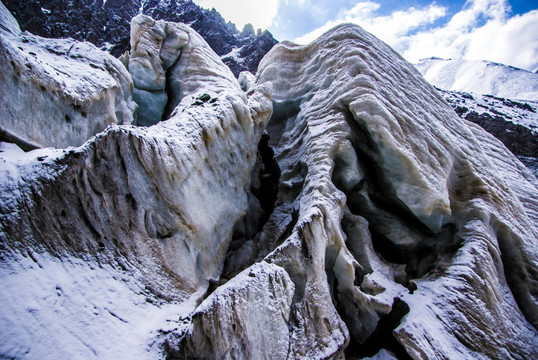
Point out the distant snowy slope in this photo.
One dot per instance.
(482, 77)
(515, 123)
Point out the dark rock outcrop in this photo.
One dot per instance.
(514, 123)
(517, 138)
(106, 24)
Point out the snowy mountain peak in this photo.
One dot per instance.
(481, 77)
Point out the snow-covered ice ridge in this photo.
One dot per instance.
(58, 92)
(332, 206)
(481, 77)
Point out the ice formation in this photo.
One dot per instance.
(388, 210)
(58, 92)
(332, 206)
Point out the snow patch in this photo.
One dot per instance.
(81, 309)
(234, 54)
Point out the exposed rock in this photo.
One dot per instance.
(368, 220)
(515, 123)
(106, 24)
(58, 92)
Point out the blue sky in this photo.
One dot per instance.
(496, 30)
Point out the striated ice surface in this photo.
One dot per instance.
(402, 226)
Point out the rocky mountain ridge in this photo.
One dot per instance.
(106, 24)
(513, 122)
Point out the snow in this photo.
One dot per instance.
(18, 167)
(524, 113)
(481, 77)
(70, 308)
(234, 54)
(15, 162)
(78, 69)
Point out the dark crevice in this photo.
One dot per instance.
(5, 136)
(382, 337)
(422, 258)
(271, 215)
(244, 247)
(173, 92)
(516, 274)
(284, 113)
(360, 318)
(369, 331)
(267, 190)
(386, 249)
(264, 181)
(433, 253)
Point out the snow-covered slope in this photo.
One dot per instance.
(481, 77)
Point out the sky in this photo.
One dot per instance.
(496, 30)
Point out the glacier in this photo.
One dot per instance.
(331, 206)
(58, 92)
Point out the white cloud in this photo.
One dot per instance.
(258, 13)
(481, 30)
(391, 28)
